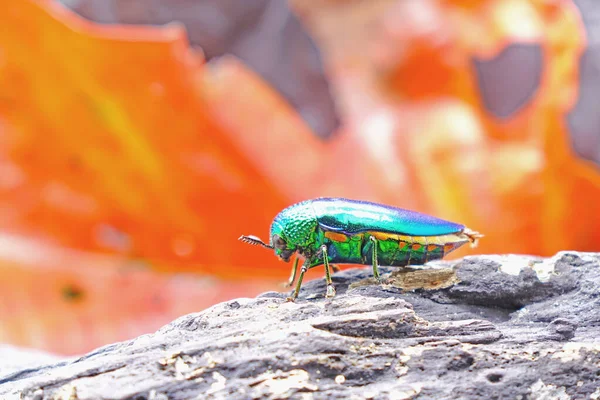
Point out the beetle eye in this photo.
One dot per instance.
(279, 243)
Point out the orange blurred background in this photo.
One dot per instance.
(130, 165)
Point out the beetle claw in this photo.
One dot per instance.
(378, 280)
(330, 291)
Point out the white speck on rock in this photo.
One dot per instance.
(541, 391)
(218, 384)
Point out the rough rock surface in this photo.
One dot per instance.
(13, 359)
(485, 327)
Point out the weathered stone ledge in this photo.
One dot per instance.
(484, 327)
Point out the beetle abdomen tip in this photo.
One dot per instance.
(473, 236)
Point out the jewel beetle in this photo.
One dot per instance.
(327, 231)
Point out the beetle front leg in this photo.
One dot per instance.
(303, 270)
(375, 262)
(330, 289)
(292, 278)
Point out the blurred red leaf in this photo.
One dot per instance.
(120, 146)
(109, 144)
(71, 301)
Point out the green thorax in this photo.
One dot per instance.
(297, 225)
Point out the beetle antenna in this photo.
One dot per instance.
(255, 241)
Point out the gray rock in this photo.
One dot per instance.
(485, 327)
(13, 359)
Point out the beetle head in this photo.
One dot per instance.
(282, 249)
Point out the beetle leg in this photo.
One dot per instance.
(335, 268)
(374, 252)
(303, 270)
(290, 281)
(330, 288)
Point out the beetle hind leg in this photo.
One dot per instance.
(374, 259)
(330, 288)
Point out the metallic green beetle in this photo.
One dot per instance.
(336, 230)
